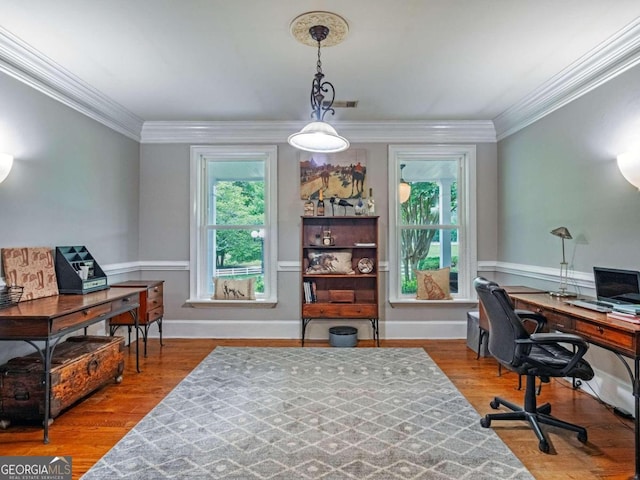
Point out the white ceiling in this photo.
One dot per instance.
(230, 60)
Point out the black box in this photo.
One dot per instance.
(69, 263)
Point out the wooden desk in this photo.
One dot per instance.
(617, 336)
(151, 309)
(49, 319)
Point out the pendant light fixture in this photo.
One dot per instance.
(319, 136)
(404, 189)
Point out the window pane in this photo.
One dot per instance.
(235, 193)
(236, 254)
(433, 199)
(427, 249)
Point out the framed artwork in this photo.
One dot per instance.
(340, 175)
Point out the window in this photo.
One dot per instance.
(234, 218)
(435, 226)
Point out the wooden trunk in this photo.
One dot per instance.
(79, 366)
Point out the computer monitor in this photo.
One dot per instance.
(617, 286)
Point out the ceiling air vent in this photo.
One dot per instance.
(342, 103)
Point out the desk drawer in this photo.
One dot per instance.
(73, 319)
(555, 320)
(124, 302)
(603, 334)
(336, 310)
(153, 315)
(155, 292)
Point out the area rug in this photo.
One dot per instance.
(312, 413)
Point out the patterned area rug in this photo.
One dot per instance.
(312, 413)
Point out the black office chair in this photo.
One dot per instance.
(534, 355)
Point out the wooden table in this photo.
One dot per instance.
(620, 337)
(49, 319)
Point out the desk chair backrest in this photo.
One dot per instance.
(505, 325)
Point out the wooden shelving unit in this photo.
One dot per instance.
(340, 295)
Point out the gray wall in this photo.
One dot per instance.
(562, 171)
(164, 236)
(73, 182)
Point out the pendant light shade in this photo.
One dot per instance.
(318, 136)
(404, 189)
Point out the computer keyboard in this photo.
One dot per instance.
(592, 305)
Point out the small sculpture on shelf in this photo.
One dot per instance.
(341, 202)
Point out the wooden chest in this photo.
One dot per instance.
(79, 366)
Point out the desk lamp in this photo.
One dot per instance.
(563, 233)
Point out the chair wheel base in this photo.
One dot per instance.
(485, 422)
(543, 446)
(582, 437)
(495, 404)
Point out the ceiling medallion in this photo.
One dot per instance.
(338, 28)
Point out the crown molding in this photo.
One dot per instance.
(478, 131)
(611, 58)
(608, 60)
(26, 64)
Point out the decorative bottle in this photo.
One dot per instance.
(371, 204)
(320, 207)
(309, 207)
(360, 208)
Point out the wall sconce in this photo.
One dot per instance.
(6, 162)
(629, 165)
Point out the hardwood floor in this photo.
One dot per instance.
(89, 429)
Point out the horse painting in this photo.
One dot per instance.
(340, 175)
(358, 172)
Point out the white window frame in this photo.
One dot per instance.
(467, 234)
(200, 155)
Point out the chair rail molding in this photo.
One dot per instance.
(547, 274)
(145, 265)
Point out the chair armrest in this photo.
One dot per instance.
(555, 338)
(539, 319)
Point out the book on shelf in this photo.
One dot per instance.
(309, 291)
(627, 317)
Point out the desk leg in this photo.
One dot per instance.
(135, 319)
(48, 353)
(636, 396)
(635, 384)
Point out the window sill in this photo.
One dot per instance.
(412, 302)
(208, 303)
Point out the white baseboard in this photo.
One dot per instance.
(290, 329)
(610, 389)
